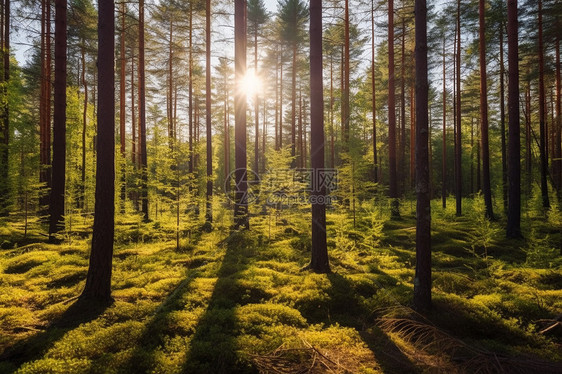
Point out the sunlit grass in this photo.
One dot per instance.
(241, 302)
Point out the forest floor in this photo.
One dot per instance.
(239, 303)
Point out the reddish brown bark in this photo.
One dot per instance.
(59, 122)
(514, 163)
(241, 219)
(422, 279)
(319, 262)
(98, 280)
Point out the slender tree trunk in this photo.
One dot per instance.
(45, 105)
(226, 138)
(319, 262)
(486, 187)
(256, 107)
(402, 152)
(122, 107)
(374, 101)
(281, 104)
(59, 125)
(142, 116)
(412, 138)
(5, 116)
(422, 280)
(393, 191)
(332, 129)
(471, 155)
(241, 219)
(514, 167)
(134, 145)
(82, 197)
(170, 87)
(98, 280)
(458, 138)
(502, 120)
(300, 158)
(478, 163)
(444, 151)
(542, 115)
(294, 104)
(209, 195)
(528, 140)
(190, 90)
(277, 84)
(558, 135)
(346, 66)
(264, 132)
(305, 144)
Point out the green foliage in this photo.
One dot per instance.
(230, 301)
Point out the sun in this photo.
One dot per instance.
(251, 84)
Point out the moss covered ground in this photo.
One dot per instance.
(225, 302)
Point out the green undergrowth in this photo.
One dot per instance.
(238, 302)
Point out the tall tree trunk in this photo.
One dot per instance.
(170, 87)
(82, 196)
(471, 155)
(264, 132)
(190, 89)
(209, 195)
(478, 159)
(294, 104)
(142, 116)
(412, 138)
(528, 140)
(281, 103)
(402, 152)
(45, 105)
(226, 137)
(393, 192)
(486, 187)
(277, 84)
(502, 120)
(346, 66)
(444, 151)
(332, 125)
(514, 167)
(558, 136)
(374, 96)
(300, 156)
(458, 138)
(319, 262)
(241, 219)
(98, 280)
(422, 280)
(59, 125)
(122, 107)
(256, 106)
(134, 145)
(5, 116)
(542, 115)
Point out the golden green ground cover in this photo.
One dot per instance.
(238, 302)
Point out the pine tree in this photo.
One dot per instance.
(98, 280)
(59, 122)
(319, 254)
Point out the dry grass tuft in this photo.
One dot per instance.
(305, 359)
(431, 346)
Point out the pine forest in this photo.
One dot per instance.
(280, 186)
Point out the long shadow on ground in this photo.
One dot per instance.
(348, 311)
(213, 347)
(37, 345)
